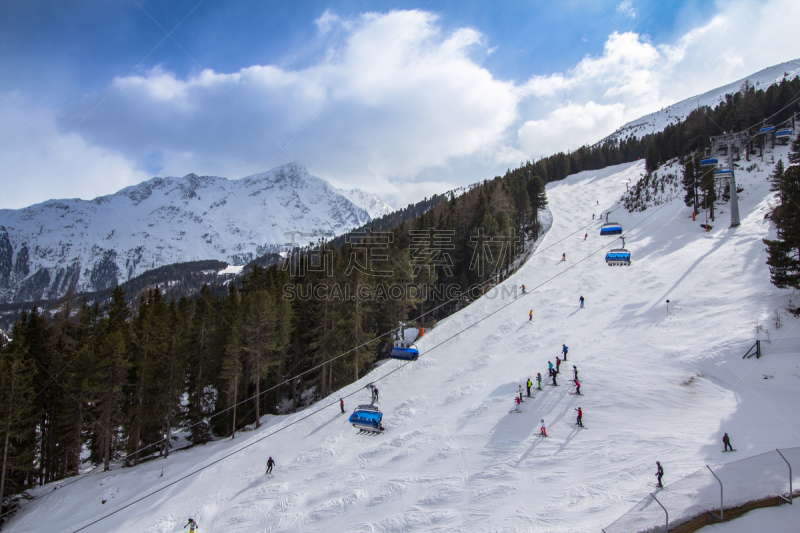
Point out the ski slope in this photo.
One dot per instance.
(656, 386)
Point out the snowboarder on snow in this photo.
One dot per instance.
(580, 416)
(581, 300)
(539, 380)
(544, 429)
(341, 404)
(517, 400)
(726, 440)
(192, 525)
(564, 350)
(270, 464)
(659, 473)
(528, 384)
(574, 372)
(577, 387)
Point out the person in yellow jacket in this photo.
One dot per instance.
(529, 384)
(192, 525)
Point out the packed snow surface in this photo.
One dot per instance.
(656, 385)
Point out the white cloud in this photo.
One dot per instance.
(626, 8)
(396, 106)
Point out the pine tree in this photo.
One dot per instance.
(261, 341)
(784, 252)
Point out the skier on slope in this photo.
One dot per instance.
(341, 405)
(551, 367)
(577, 387)
(523, 289)
(192, 525)
(581, 300)
(544, 429)
(580, 417)
(554, 378)
(517, 401)
(659, 473)
(539, 380)
(574, 372)
(520, 394)
(270, 464)
(558, 364)
(564, 350)
(564, 256)
(585, 235)
(530, 316)
(528, 384)
(726, 440)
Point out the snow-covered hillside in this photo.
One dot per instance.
(656, 385)
(49, 248)
(655, 122)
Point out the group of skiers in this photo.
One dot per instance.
(553, 373)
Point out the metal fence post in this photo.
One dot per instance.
(666, 526)
(789, 501)
(721, 505)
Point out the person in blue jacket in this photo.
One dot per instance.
(550, 365)
(564, 350)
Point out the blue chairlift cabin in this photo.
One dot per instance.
(367, 418)
(610, 228)
(619, 256)
(724, 173)
(766, 129)
(781, 134)
(404, 352)
(710, 162)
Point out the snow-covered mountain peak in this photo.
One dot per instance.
(83, 245)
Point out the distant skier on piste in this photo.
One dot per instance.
(539, 380)
(554, 378)
(544, 429)
(580, 417)
(523, 289)
(528, 384)
(517, 401)
(564, 350)
(581, 300)
(564, 256)
(341, 404)
(585, 235)
(726, 440)
(574, 372)
(577, 387)
(530, 316)
(270, 464)
(551, 367)
(520, 394)
(192, 525)
(659, 473)
(558, 364)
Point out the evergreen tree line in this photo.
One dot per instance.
(783, 252)
(95, 384)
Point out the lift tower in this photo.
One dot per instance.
(730, 141)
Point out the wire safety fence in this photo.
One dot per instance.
(736, 483)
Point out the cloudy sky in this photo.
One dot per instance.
(403, 99)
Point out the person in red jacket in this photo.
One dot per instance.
(577, 387)
(580, 417)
